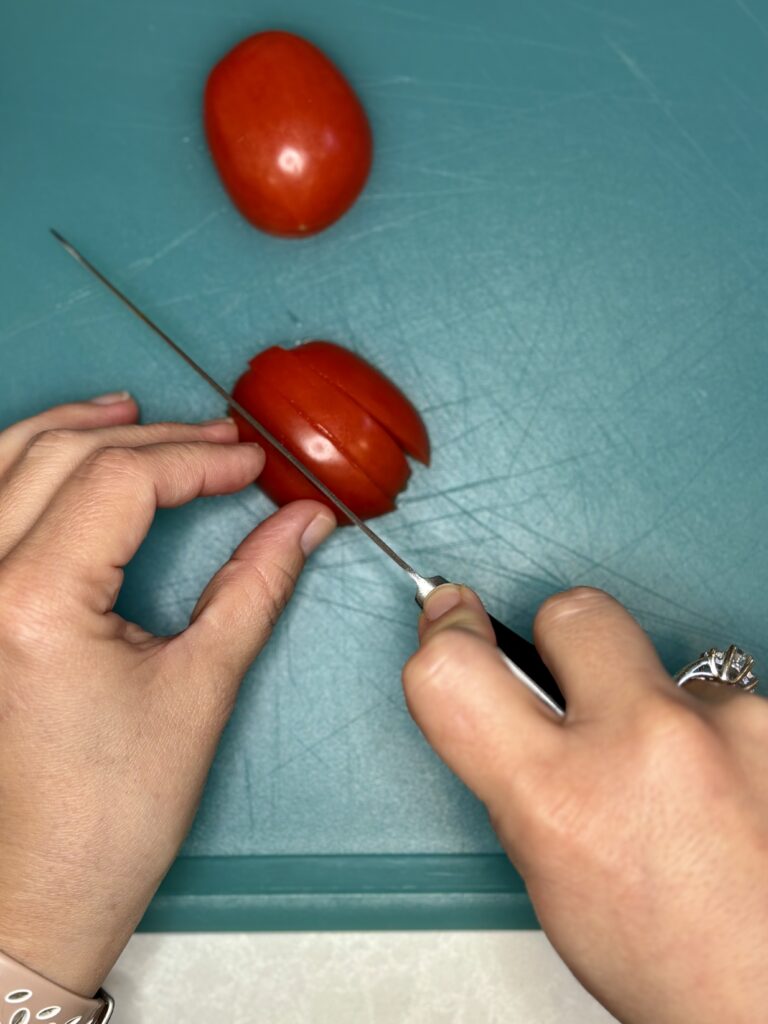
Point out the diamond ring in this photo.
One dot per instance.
(721, 668)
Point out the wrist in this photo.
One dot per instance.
(67, 931)
(30, 995)
(75, 966)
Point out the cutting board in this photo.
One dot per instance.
(560, 256)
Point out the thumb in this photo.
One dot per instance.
(472, 710)
(238, 609)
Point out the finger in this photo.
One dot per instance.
(473, 711)
(53, 455)
(598, 653)
(97, 520)
(238, 609)
(453, 605)
(102, 411)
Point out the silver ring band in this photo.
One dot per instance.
(732, 667)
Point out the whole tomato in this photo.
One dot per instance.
(340, 416)
(289, 136)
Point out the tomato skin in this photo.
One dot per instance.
(288, 135)
(355, 432)
(331, 428)
(375, 392)
(279, 479)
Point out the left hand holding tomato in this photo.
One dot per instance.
(107, 732)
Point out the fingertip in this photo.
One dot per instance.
(110, 398)
(114, 409)
(320, 527)
(254, 453)
(454, 606)
(301, 512)
(435, 666)
(568, 605)
(223, 430)
(311, 522)
(441, 601)
(285, 529)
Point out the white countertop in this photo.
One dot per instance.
(348, 978)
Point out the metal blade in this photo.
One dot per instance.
(420, 581)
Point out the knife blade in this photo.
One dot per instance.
(519, 654)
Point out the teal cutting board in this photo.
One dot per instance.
(561, 256)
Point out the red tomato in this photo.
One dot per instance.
(288, 135)
(342, 418)
(372, 390)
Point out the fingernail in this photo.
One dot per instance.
(111, 398)
(219, 422)
(441, 601)
(322, 526)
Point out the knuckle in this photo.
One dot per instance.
(27, 627)
(274, 585)
(114, 465)
(56, 441)
(667, 739)
(263, 589)
(113, 459)
(667, 731)
(115, 476)
(445, 657)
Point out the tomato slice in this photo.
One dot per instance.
(354, 431)
(371, 390)
(308, 442)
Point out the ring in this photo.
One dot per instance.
(721, 668)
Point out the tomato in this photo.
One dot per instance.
(346, 421)
(288, 135)
(372, 390)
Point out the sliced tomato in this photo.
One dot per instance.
(309, 442)
(341, 418)
(353, 430)
(370, 389)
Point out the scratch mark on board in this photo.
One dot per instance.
(61, 307)
(649, 86)
(752, 16)
(148, 261)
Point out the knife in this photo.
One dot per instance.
(521, 657)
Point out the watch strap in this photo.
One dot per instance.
(27, 997)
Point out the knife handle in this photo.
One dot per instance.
(521, 656)
(524, 660)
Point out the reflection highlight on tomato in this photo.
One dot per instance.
(291, 161)
(340, 416)
(287, 133)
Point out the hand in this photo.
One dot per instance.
(106, 732)
(639, 822)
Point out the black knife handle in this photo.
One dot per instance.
(525, 656)
(521, 653)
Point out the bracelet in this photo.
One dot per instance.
(26, 996)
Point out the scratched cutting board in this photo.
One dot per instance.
(561, 256)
